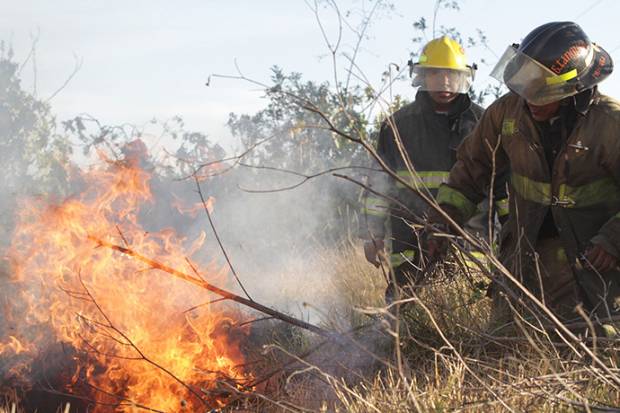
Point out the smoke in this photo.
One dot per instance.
(285, 236)
(278, 236)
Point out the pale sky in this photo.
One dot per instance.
(143, 59)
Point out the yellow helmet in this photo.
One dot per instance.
(443, 53)
(447, 55)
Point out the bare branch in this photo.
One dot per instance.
(76, 69)
(217, 237)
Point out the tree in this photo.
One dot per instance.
(32, 154)
(296, 139)
(34, 157)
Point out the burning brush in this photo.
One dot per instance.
(84, 317)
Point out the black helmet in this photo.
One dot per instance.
(554, 61)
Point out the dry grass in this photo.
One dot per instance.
(9, 408)
(446, 355)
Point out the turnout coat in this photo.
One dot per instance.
(582, 190)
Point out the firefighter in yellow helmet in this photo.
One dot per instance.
(428, 131)
(442, 70)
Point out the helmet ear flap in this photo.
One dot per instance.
(472, 69)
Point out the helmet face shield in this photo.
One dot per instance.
(433, 79)
(531, 80)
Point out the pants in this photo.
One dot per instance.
(406, 257)
(551, 280)
(402, 275)
(600, 292)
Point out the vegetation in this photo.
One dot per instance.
(443, 351)
(447, 354)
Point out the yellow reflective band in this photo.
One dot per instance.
(600, 191)
(479, 255)
(530, 190)
(399, 258)
(424, 179)
(502, 206)
(451, 196)
(374, 212)
(556, 80)
(373, 202)
(377, 207)
(473, 265)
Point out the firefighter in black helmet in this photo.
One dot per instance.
(557, 136)
(554, 61)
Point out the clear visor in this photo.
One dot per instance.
(532, 81)
(442, 80)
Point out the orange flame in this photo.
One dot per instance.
(134, 340)
(194, 209)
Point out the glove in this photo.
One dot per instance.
(373, 250)
(435, 246)
(600, 259)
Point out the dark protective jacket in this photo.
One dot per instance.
(581, 188)
(429, 140)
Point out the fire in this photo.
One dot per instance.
(134, 341)
(192, 210)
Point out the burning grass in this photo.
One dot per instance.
(100, 326)
(450, 358)
(116, 331)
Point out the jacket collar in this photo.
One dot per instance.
(457, 107)
(582, 101)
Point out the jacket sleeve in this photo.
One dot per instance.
(608, 236)
(480, 160)
(500, 195)
(375, 203)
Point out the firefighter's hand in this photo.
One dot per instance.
(600, 259)
(373, 249)
(436, 248)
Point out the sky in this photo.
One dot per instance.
(141, 60)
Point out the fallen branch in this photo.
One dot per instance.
(224, 293)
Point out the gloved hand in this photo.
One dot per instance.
(435, 246)
(373, 249)
(600, 259)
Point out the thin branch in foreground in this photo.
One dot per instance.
(135, 347)
(76, 69)
(303, 177)
(217, 237)
(237, 159)
(219, 291)
(217, 300)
